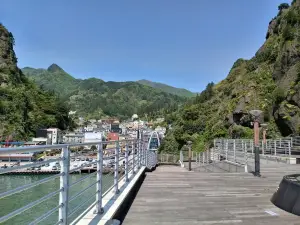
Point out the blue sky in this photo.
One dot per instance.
(183, 43)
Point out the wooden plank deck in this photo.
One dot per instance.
(172, 195)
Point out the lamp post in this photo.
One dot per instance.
(190, 155)
(256, 115)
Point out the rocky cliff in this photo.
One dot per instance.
(270, 82)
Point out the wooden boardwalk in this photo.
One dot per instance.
(172, 195)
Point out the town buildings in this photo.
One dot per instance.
(49, 136)
(73, 138)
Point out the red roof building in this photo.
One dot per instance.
(113, 136)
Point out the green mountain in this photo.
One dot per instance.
(24, 107)
(270, 82)
(169, 89)
(95, 98)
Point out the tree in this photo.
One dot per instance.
(206, 94)
(283, 6)
(169, 144)
(288, 33)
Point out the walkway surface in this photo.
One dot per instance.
(172, 195)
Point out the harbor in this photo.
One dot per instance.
(84, 165)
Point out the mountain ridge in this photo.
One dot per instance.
(167, 88)
(93, 97)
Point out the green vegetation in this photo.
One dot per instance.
(94, 98)
(283, 6)
(23, 106)
(269, 81)
(169, 89)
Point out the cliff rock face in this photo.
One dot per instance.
(23, 106)
(270, 82)
(271, 78)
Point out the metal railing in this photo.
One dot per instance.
(165, 158)
(121, 160)
(242, 150)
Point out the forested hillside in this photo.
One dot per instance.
(167, 88)
(95, 98)
(270, 81)
(24, 107)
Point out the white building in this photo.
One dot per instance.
(92, 137)
(54, 136)
(73, 138)
(40, 140)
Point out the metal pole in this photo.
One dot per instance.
(133, 158)
(99, 209)
(226, 149)
(116, 175)
(144, 150)
(139, 154)
(280, 142)
(234, 149)
(289, 146)
(190, 160)
(246, 157)
(146, 155)
(219, 151)
(126, 162)
(64, 186)
(275, 149)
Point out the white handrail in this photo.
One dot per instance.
(137, 146)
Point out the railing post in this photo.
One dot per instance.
(246, 157)
(139, 154)
(262, 147)
(226, 149)
(64, 186)
(116, 175)
(144, 153)
(126, 161)
(219, 150)
(133, 158)
(243, 146)
(275, 150)
(234, 149)
(280, 142)
(289, 146)
(99, 209)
